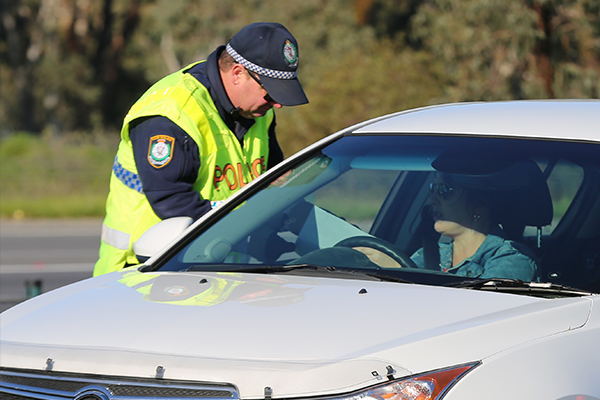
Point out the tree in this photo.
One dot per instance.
(511, 49)
(18, 52)
(63, 59)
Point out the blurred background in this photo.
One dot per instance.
(70, 69)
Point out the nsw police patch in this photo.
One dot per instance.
(290, 53)
(160, 150)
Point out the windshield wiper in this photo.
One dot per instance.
(518, 286)
(381, 276)
(251, 268)
(262, 269)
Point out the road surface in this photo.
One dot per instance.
(50, 253)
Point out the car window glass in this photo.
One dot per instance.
(362, 192)
(377, 188)
(564, 181)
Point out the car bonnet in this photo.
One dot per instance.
(302, 336)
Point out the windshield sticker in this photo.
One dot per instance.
(306, 173)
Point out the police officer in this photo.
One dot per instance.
(199, 135)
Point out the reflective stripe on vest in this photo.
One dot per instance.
(115, 238)
(128, 178)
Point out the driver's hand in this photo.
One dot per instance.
(378, 257)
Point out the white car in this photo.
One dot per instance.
(318, 280)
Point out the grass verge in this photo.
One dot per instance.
(55, 176)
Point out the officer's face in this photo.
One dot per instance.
(246, 92)
(254, 99)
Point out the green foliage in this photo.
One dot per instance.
(57, 206)
(512, 49)
(53, 176)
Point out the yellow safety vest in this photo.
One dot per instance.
(225, 167)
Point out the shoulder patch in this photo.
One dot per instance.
(160, 150)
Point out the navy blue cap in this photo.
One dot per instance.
(271, 51)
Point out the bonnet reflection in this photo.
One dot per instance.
(211, 289)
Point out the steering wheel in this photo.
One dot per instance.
(379, 245)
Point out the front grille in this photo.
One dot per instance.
(8, 396)
(143, 391)
(46, 383)
(43, 385)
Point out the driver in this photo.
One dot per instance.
(467, 209)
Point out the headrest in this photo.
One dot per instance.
(516, 188)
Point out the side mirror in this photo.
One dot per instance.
(159, 236)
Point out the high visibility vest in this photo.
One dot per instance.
(225, 167)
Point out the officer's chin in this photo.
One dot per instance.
(260, 113)
(252, 114)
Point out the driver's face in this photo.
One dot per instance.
(449, 208)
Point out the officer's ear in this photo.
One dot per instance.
(237, 74)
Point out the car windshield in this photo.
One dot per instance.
(416, 208)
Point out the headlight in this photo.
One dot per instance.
(428, 386)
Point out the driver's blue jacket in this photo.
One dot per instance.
(495, 258)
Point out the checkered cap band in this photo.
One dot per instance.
(128, 178)
(271, 73)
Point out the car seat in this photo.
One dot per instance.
(529, 204)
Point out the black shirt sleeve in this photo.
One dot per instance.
(168, 185)
(275, 152)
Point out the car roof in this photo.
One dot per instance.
(553, 119)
